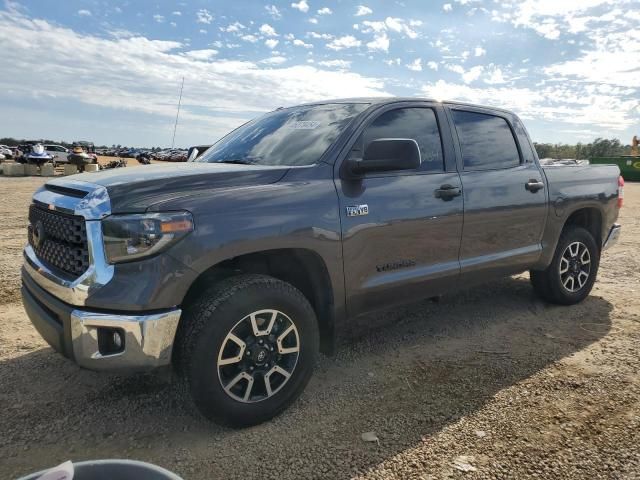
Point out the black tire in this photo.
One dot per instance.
(548, 284)
(218, 313)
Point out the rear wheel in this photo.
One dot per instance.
(249, 349)
(572, 272)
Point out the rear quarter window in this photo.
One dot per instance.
(486, 141)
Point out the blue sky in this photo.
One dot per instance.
(110, 71)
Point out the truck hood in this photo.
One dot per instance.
(138, 188)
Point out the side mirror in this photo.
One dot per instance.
(387, 154)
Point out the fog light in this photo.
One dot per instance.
(117, 340)
(110, 341)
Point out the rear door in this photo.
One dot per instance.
(504, 194)
(401, 241)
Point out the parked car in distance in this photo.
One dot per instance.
(59, 153)
(178, 156)
(6, 151)
(237, 268)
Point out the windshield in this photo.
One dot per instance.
(293, 136)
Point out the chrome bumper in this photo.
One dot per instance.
(613, 237)
(148, 339)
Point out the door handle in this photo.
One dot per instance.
(534, 185)
(447, 192)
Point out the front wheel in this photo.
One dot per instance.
(249, 349)
(572, 272)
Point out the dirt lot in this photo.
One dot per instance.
(521, 388)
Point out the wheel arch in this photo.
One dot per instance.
(589, 218)
(302, 268)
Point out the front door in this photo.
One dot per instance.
(401, 231)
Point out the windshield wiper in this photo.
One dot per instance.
(238, 161)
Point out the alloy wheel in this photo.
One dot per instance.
(575, 266)
(258, 356)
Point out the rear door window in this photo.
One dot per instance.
(486, 141)
(419, 124)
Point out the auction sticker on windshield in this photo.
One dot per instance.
(303, 125)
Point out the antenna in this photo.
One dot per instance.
(175, 126)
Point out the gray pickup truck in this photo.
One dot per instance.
(237, 268)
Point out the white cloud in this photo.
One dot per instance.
(271, 43)
(416, 65)
(159, 18)
(363, 10)
(233, 27)
(173, 24)
(549, 18)
(84, 13)
(561, 104)
(325, 11)
(447, 7)
(313, 20)
(380, 42)
(277, 60)
(302, 5)
(442, 90)
(348, 41)
(495, 77)
(342, 64)
(204, 16)
(614, 59)
(268, 30)
(472, 74)
(373, 26)
(273, 11)
(144, 73)
(299, 43)
(177, 13)
(324, 36)
(202, 55)
(397, 25)
(597, 84)
(468, 76)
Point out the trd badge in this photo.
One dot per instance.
(357, 210)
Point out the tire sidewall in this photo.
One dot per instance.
(202, 372)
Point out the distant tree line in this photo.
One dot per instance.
(600, 147)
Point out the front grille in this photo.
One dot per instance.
(59, 240)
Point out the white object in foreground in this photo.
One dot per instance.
(63, 471)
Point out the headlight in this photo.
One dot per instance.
(130, 237)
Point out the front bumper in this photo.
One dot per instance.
(613, 237)
(147, 339)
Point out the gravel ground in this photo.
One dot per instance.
(489, 380)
